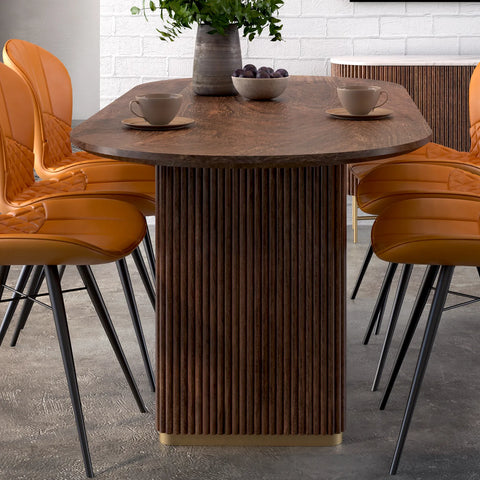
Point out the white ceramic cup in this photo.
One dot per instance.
(360, 99)
(157, 108)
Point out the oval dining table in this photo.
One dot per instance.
(251, 254)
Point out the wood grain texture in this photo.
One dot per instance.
(291, 131)
(267, 272)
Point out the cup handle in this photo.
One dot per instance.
(384, 102)
(132, 110)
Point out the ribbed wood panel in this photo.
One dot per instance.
(251, 287)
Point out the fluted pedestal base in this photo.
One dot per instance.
(251, 292)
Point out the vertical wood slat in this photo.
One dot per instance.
(250, 329)
(439, 91)
(191, 299)
(197, 319)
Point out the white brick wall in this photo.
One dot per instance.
(314, 31)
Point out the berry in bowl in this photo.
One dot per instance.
(260, 84)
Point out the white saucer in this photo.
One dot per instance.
(374, 114)
(142, 124)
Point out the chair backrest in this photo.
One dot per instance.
(16, 137)
(474, 107)
(51, 87)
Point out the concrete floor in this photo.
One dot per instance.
(38, 439)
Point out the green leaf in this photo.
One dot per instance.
(253, 16)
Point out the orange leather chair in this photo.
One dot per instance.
(429, 171)
(95, 231)
(436, 232)
(389, 184)
(51, 88)
(19, 188)
(428, 155)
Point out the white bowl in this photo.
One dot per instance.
(260, 88)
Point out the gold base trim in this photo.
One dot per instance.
(253, 440)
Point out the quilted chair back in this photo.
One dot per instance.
(51, 87)
(16, 137)
(474, 105)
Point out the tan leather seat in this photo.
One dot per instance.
(429, 231)
(75, 231)
(394, 182)
(429, 153)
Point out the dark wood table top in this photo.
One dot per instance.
(292, 130)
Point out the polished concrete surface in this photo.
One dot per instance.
(38, 439)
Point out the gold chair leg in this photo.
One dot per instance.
(354, 219)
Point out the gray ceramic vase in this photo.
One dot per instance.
(216, 58)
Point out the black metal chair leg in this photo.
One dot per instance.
(431, 328)
(147, 241)
(38, 277)
(53, 282)
(35, 286)
(20, 287)
(61, 271)
(366, 262)
(397, 306)
(381, 313)
(381, 301)
(4, 271)
(132, 307)
(142, 270)
(417, 310)
(97, 301)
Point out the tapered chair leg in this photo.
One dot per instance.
(132, 307)
(381, 313)
(366, 262)
(355, 219)
(20, 287)
(417, 310)
(142, 270)
(147, 241)
(397, 306)
(431, 328)
(101, 309)
(381, 301)
(59, 315)
(38, 276)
